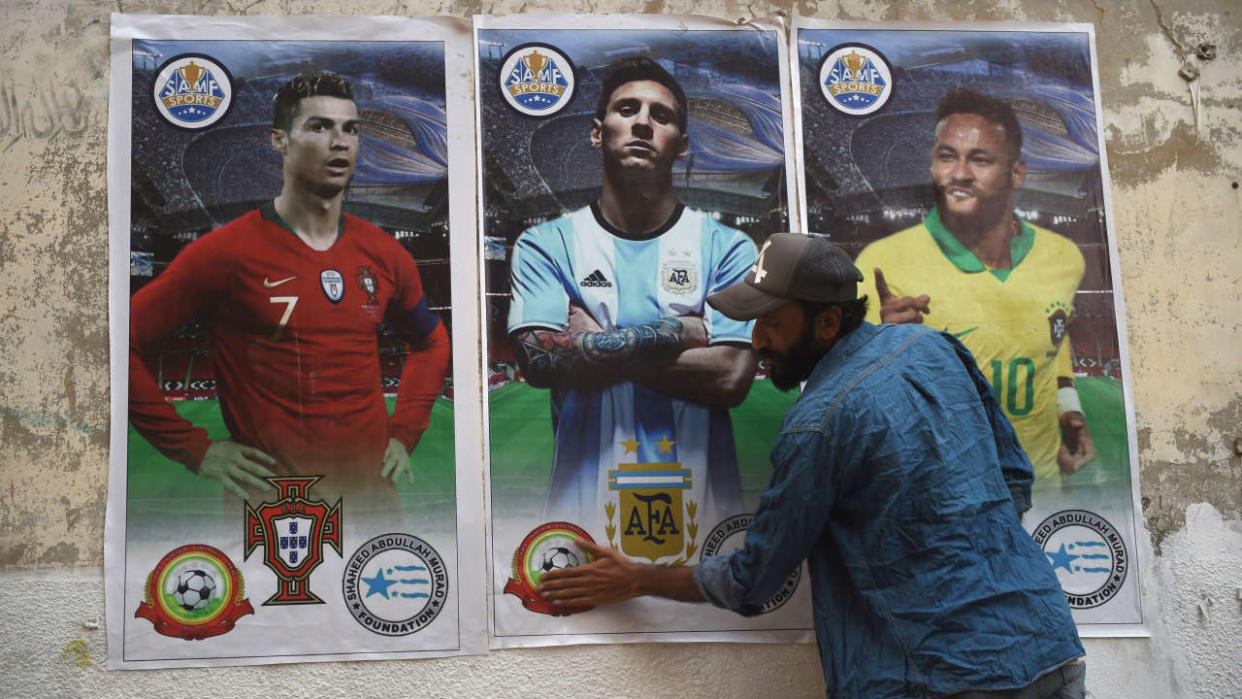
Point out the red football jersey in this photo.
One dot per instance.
(292, 332)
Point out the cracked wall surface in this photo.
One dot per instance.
(1175, 156)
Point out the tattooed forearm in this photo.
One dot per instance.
(640, 341)
(546, 356)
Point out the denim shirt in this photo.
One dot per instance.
(896, 476)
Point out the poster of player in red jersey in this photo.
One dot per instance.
(294, 200)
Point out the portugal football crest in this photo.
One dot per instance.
(194, 592)
(368, 283)
(292, 532)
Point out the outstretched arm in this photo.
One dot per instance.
(613, 578)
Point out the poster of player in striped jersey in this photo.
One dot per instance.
(963, 166)
(630, 166)
(294, 297)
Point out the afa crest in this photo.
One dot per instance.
(537, 80)
(192, 91)
(855, 79)
(293, 531)
(655, 520)
(679, 278)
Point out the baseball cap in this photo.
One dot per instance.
(790, 266)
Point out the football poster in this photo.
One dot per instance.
(294, 272)
(629, 166)
(963, 167)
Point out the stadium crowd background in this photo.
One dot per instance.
(186, 183)
(536, 169)
(868, 177)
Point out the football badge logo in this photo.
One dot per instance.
(1087, 553)
(194, 592)
(193, 91)
(333, 284)
(395, 584)
(536, 80)
(728, 536)
(855, 79)
(655, 520)
(368, 283)
(1058, 324)
(293, 531)
(547, 547)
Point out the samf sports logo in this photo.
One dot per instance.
(194, 592)
(395, 584)
(536, 80)
(193, 91)
(728, 536)
(547, 547)
(292, 531)
(1087, 553)
(855, 79)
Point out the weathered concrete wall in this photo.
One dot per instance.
(1175, 150)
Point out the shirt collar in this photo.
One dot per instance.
(841, 351)
(965, 260)
(269, 213)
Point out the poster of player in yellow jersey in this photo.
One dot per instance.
(964, 170)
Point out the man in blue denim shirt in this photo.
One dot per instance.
(899, 480)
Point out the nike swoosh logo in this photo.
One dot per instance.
(964, 333)
(278, 282)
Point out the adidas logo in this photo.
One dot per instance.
(596, 279)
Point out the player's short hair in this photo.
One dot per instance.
(290, 95)
(963, 100)
(632, 69)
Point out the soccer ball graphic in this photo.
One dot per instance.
(194, 590)
(558, 557)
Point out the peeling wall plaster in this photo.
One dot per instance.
(1175, 150)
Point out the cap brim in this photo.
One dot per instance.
(744, 302)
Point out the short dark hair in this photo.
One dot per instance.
(632, 69)
(963, 100)
(321, 84)
(852, 312)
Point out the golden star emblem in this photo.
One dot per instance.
(631, 445)
(665, 444)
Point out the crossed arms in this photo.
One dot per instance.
(669, 355)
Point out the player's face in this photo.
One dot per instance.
(321, 146)
(971, 169)
(785, 341)
(640, 128)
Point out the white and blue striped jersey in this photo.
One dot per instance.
(580, 259)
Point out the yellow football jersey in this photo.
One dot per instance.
(1014, 321)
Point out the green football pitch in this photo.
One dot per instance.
(521, 431)
(153, 477)
(521, 436)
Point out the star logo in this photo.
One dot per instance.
(378, 585)
(665, 444)
(1061, 559)
(631, 446)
